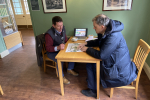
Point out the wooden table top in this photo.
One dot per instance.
(63, 55)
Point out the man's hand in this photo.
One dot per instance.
(81, 46)
(61, 47)
(84, 48)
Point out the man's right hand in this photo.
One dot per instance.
(81, 45)
(61, 47)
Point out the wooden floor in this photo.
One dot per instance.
(22, 79)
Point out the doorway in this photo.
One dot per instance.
(21, 12)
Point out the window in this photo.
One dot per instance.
(17, 7)
(26, 7)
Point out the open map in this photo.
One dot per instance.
(72, 47)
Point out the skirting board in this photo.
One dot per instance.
(147, 70)
(4, 53)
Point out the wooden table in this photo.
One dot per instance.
(83, 57)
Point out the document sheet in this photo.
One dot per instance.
(72, 47)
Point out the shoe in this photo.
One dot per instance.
(72, 72)
(89, 93)
(65, 81)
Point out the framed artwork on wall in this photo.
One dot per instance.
(54, 6)
(117, 5)
(35, 5)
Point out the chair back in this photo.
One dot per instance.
(140, 55)
(139, 58)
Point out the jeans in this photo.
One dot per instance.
(52, 55)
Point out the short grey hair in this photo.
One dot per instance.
(101, 19)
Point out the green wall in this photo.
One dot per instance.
(2, 44)
(80, 13)
(148, 58)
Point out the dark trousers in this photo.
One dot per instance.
(91, 76)
(52, 55)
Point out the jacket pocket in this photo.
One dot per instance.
(111, 73)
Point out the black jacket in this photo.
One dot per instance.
(40, 39)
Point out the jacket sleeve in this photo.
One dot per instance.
(49, 43)
(93, 43)
(107, 48)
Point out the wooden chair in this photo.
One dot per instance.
(140, 56)
(45, 58)
(1, 91)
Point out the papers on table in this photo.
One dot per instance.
(72, 47)
(89, 39)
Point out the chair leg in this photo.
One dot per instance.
(66, 64)
(53, 63)
(111, 92)
(1, 90)
(56, 69)
(136, 91)
(44, 65)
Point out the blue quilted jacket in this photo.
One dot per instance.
(116, 68)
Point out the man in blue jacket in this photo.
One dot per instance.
(116, 68)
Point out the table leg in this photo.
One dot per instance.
(60, 77)
(1, 91)
(98, 77)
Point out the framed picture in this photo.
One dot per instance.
(35, 5)
(54, 6)
(116, 5)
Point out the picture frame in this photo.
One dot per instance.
(54, 6)
(117, 5)
(34, 5)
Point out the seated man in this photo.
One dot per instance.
(116, 68)
(55, 39)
